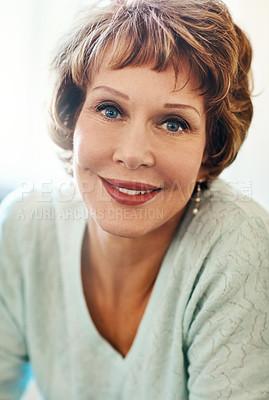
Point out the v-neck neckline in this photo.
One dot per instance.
(87, 326)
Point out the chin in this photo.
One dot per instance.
(128, 230)
(131, 228)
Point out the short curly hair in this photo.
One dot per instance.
(161, 32)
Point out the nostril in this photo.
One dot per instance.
(132, 160)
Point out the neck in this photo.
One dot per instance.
(124, 267)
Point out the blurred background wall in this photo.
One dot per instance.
(251, 168)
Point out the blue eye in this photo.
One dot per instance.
(111, 112)
(175, 125)
(108, 111)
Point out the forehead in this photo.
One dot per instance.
(173, 78)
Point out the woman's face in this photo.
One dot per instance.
(138, 148)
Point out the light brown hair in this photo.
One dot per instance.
(161, 32)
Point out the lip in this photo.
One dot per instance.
(112, 185)
(130, 185)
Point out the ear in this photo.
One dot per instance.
(205, 156)
(203, 171)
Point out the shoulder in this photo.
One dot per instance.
(31, 214)
(230, 243)
(222, 197)
(226, 243)
(225, 210)
(39, 202)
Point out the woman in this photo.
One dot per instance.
(152, 283)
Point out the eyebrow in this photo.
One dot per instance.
(181, 106)
(166, 105)
(113, 91)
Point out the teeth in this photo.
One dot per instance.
(133, 192)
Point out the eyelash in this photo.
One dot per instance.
(184, 125)
(103, 106)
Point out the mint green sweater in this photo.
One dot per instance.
(204, 334)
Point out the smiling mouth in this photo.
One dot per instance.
(130, 193)
(134, 192)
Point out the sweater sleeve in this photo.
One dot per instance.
(227, 339)
(14, 366)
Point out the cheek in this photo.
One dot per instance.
(88, 155)
(182, 166)
(91, 148)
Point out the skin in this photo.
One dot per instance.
(124, 245)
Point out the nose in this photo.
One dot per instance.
(134, 148)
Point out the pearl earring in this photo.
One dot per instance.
(197, 198)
